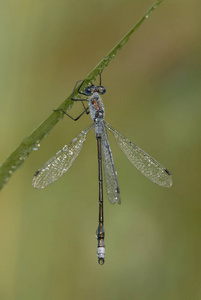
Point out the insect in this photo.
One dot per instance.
(60, 163)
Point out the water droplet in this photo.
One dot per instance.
(124, 41)
(36, 146)
(148, 14)
(65, 148)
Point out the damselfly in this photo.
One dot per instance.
(54, 168)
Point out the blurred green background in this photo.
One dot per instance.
(153, 240)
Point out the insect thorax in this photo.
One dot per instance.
(96, 107)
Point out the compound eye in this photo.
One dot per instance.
(88, 90)
(101, 90)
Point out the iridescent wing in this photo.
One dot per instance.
(59, 164)
(110, 174)
(148, 166)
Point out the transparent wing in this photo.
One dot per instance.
(59, 164)
(148, 166)
(110, 175)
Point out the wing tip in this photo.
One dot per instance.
(170, 181)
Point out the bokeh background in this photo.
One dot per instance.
(47, 237)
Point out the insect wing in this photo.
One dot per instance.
(59, 164)
(110, 174)
(147, 165)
